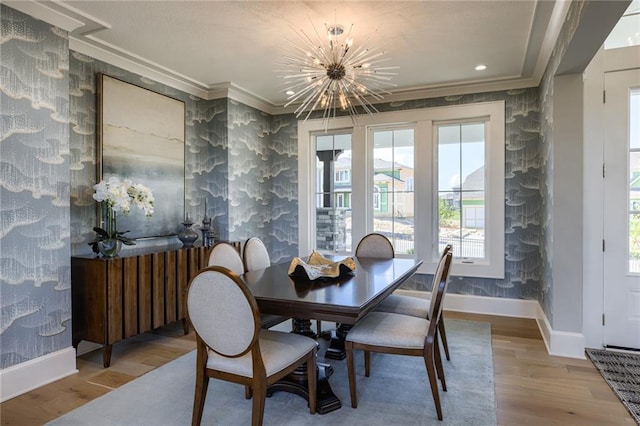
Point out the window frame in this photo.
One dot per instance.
(425, 179)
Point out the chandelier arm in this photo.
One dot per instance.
(316, 94)
(346, 87)
(298, 95)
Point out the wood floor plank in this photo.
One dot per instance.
(532, 387)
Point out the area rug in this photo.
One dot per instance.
(397, 393)
(621, 370)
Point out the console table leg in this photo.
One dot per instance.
(106, 355)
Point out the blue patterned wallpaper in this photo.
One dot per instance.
(35, 278)
(241, 160)
(263, 179)
(546, 155)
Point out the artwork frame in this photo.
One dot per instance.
(141, 136)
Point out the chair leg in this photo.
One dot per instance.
(443, 337)
(202, 384)
(351, 372)
(259, 397)
(312, 378)
(438, 363)
(433, 381)
(367, 363)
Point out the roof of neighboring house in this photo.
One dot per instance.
(474, 181)
(382, 177)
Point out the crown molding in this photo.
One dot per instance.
(81, 26)
(133, 63)
(558, 16)
(233, 91)
(49, 12)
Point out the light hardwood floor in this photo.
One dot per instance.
(532, 388)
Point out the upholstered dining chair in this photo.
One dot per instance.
(375, 245)
(371, 245)
(416, 307)
(255, 256)
(390, 333)
(231, 346)
(224, 254)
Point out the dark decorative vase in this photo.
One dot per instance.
(188, 236)
(110, 247)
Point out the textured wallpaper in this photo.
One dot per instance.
(546, 155)
(242, 161)
(35, 280)
(263, 182)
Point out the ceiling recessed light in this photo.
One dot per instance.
(289, 92)
(480, 67)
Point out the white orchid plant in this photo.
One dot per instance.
(117, 197)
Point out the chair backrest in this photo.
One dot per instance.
(375, 245)
(224, 254)
(223, 311)
(255, 255)
(440, 280)
(447, 249)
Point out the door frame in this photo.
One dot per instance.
(593, 186)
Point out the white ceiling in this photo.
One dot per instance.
(203, 46)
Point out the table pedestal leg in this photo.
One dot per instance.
(296, 382)
(336, 346)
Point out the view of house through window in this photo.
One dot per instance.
(423, 178)
(333, 192)
(393, 198)
(461, 188)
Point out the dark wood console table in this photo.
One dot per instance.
(138, 291)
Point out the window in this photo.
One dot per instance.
(376, 198)
(461, 188)
(332, 172)
(343, 176)
(634, 183)
(422, 177)
(393, 165)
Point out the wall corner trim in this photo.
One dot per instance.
(560, 343)
(32, 374)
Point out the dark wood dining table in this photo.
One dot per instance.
(343, 300)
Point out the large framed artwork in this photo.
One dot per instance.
(141, 137)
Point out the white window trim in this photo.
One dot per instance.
(424, 180)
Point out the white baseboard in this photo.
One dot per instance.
(558, 343)
(483, 305)
(32, 374)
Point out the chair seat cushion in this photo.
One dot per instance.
(405, 305)
(390, 330)
(279, 350)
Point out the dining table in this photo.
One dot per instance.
(344, 300)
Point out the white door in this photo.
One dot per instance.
(622, 210)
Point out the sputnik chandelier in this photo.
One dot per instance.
(326, 73)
